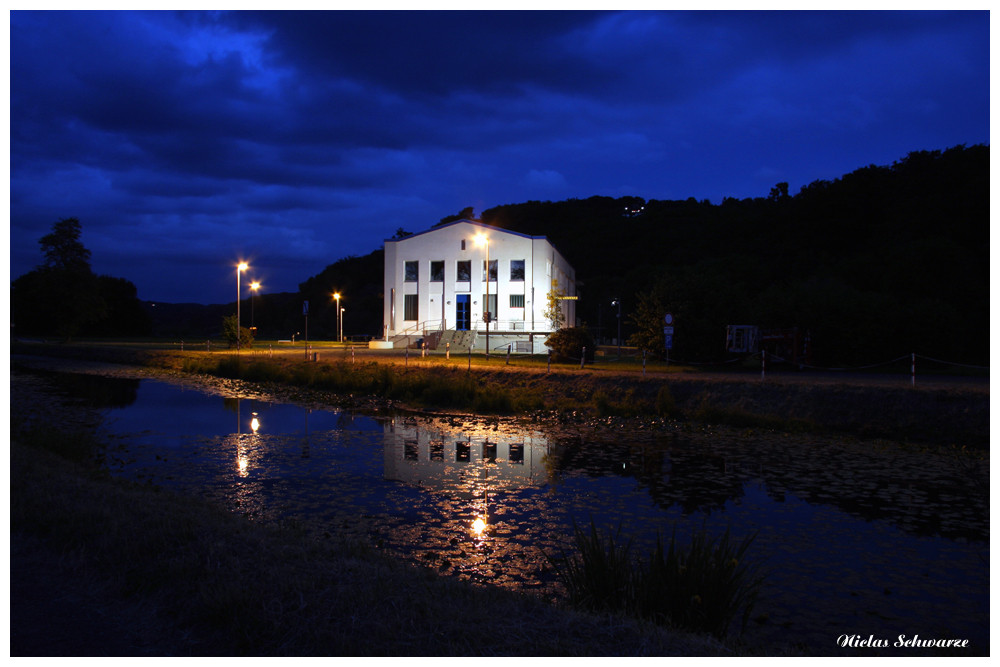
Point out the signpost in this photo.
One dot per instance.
(668, 335)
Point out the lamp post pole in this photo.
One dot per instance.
(254, 286)
(618, 302)
(340, 332)
(489, 314)
(240, 268)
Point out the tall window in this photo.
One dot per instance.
(411, 271)
(517, 269)
(437, 272)
(491, 308)
(410, 311)
(463, 270)
(493, 270)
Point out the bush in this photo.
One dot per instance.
(568, 344)
(229, 327)
(702, 587)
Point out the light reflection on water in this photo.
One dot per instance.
(854, 541)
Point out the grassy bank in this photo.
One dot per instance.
(188, 578)
(953, 416)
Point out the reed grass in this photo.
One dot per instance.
(702, 586)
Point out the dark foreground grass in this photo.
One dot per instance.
(227, 586)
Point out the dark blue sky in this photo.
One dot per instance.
(184, 142)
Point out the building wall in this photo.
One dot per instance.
(436, 301)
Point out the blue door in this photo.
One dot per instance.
(463, 313)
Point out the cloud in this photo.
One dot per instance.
(306, 136)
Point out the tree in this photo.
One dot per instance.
(62, 247)
(62, 295)
(570, 344)
(229, 328)
(553, 310)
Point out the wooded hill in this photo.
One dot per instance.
(879, 263)
(876, 264)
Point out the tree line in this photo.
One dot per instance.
(881, 262)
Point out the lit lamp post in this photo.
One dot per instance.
(618, 302)
(240, 268)
(342, 325)
(340, 332)
(484, 240)
(254, 286)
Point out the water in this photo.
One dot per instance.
(856, 537)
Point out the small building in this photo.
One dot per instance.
(436, 289)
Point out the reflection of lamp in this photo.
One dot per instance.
(478, 526)
(254, 423)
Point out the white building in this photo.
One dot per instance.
(436, 288)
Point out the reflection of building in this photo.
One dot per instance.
(436, 288)
(443, 459)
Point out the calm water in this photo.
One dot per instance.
(857, 538)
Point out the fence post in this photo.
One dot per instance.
(913, 369)
(407, 356)
(644, 363)
(470, 357)
(763, 363)
(548, 367)
(583, 357)
(352, 353)
(508, 354)
(208, 345)
(447, 351)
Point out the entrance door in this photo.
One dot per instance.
(463, 313)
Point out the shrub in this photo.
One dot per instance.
(568, 344)
(702, 587)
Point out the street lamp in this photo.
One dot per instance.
(240, 268)
(483, 240)
(340, 330)
(253, 286)
(618, 302)
(342, 325)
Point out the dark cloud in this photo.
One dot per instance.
(190, 138)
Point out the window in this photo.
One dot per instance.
(410, 310)
(463, 244)
(491, 307)
(437, 272)
(464, 270)
(493, 270)
(411, 271)
(517, 301)
(517, 269)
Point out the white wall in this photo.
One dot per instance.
(437, 300)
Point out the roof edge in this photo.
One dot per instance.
(475, 223)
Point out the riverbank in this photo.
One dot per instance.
(936, 413)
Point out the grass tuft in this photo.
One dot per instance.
(700, 587)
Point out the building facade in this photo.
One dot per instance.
(436, 288)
